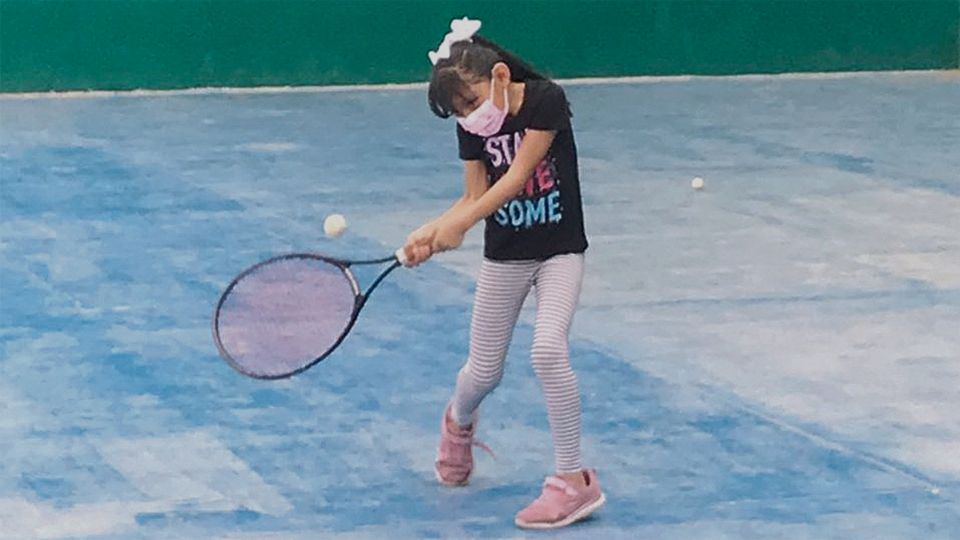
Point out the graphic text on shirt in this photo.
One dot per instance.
(538, 203)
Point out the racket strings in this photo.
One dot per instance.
(284, 316)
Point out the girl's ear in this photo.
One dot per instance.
(501, 72)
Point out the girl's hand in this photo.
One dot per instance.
(419, 245)
(448, 235)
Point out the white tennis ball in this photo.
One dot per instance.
(334, 225)
(697, 183)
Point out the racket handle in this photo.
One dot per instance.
(401, 256)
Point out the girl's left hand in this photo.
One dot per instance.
(448, 235)
(418, 245)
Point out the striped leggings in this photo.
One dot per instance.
(501, 290)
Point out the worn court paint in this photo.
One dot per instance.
(122, 219)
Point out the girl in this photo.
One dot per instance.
(520, 172)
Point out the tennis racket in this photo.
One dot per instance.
(285, 314)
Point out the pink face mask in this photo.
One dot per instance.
(487, 119)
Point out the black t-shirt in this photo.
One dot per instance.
(546, 217)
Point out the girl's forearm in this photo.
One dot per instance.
(455, 208)
(499, 194)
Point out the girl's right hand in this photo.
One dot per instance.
(419, 245)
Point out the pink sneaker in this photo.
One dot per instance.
(455, 457)
(561, 504)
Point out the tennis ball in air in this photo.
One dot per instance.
(334, 225)
(697, 183)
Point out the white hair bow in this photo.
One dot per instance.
(460, 30)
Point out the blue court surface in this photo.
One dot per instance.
(775, 356)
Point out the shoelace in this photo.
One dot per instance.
(482, 446)
(461, 439)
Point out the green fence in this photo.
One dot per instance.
(113, 44)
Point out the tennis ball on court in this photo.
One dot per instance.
(697, 183)
(334, 225)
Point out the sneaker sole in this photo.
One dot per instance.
(577, 515)
(451, 484)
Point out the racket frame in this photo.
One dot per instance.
(359, 300)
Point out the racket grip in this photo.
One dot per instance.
(401, 256)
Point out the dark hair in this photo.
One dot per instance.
(471, 62)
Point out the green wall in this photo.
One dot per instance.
(114, 44)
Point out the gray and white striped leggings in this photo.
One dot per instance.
(501, 290)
